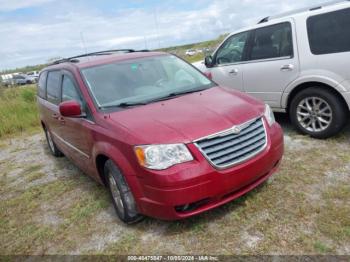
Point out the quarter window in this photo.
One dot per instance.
(329, 33)
(69, 91)
(233, 49)
(42, 85)
(272, 42)
(53, 87)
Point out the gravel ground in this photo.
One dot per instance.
(49, 207)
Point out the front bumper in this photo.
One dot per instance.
(198, 183)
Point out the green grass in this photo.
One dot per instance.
(18, 110)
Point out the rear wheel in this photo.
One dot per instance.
(122, 197)
(52, 146)
(318, 112)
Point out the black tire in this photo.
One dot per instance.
(51, 144)
(336, 115)
(122, 197)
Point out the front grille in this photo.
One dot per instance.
(228, 148)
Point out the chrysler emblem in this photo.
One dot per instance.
(236, 130)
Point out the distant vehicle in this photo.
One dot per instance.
(297, 62)
(5, 80)
(22, 79)
(191, 52)
(167, 141)
(34, 74)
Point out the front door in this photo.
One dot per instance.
(76, 133)
(228, 70)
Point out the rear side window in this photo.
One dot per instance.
(42, 85)
(329, 33)
(53, 87)
(272, 42)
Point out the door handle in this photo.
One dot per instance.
(55, 116)
(289, 67)
(61, 119)
(233, 71)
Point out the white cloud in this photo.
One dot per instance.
(57, 32)
(9, 5)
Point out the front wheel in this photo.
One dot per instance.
(318, 112)
(52, 146)
(122, 197)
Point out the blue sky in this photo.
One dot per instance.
(34, 31)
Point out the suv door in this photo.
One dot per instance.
(272, 62)
(75, 132)
(227, 61)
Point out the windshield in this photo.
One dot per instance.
(142, 81)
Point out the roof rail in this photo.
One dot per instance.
(74, 59)
(312, 8)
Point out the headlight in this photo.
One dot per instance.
(161, 157)
(269, 115)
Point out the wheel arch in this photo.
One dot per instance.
(306, 85)
(103, 152)
(100, 161)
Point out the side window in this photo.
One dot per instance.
(272, 42)
(232, 50)
(329, 33)
(69, 91)
(42, 85)
(53, 87)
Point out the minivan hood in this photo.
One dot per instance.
(186, 118)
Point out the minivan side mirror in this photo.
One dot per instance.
(70, 108)
(208, 61)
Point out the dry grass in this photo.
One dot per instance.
(303, 209)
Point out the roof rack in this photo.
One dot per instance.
(312, 8)
(74, 59)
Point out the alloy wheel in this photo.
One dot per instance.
(314, 114)
(116, 194)
(50, 141)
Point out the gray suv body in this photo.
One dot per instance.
(297, 63)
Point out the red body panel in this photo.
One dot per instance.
(178, 120)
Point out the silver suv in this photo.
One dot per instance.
(298, 62)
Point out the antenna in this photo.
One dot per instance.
(83, 41)
(157, 25)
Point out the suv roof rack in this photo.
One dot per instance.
(312, 8)
(74, 59)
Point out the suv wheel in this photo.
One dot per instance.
(317, 112)
(122, 197)
(52, 146)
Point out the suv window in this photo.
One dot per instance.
(233, 49)
(42, 85)
(53, 87)
(329, 33)
(69, 91)
(272, 42)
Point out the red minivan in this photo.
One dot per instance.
(167, 141)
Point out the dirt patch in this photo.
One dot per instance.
(50, 207)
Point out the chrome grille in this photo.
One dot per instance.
(234, 145)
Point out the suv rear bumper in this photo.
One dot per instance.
(214, 187)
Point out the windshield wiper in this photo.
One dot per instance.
(124, 104)
(174, 94)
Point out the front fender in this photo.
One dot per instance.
(113, 153)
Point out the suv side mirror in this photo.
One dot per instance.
(70, 109)
(208, 61)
